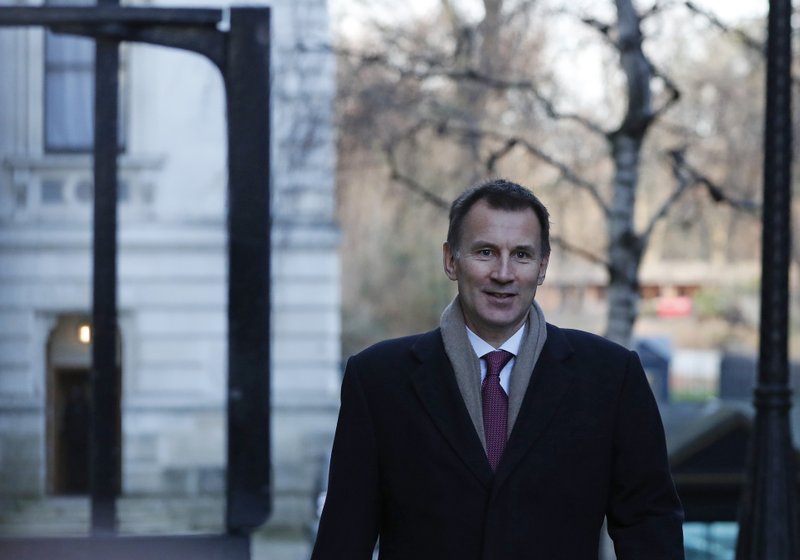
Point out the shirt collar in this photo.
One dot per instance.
(482, 347)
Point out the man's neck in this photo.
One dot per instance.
(482, 346)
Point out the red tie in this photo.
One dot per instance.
(495, 406)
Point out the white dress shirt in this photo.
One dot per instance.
(482, 348)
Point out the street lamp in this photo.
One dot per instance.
(768, 511)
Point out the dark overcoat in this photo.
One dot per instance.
(407, 464)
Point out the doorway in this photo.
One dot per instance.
(72, 409)
(69, 403)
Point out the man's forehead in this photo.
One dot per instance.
(482, 209)
(508, 229)
(527, 245)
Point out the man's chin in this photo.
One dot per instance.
(506, 323)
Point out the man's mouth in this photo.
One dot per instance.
(499, 295)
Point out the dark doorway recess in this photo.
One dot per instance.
(71, 398)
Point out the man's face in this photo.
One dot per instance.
(498, 266)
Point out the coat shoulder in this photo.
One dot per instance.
(593, 354)
(583, 341)
(397, 351)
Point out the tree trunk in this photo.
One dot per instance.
(625, 245)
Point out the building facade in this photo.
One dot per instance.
(172, 263)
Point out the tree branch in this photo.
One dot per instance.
(684, 180)
(580, 251)
(497, 155)
(427, 68)
(601, 27)
(716, 192)
(554, 114)
(409, 182)
(628, 44)
(509, 142)
(657, 8)
(564, 170)
(674, 93)
(749, 41)
(688, 177)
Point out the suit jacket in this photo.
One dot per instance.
(407, 463)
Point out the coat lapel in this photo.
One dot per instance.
(549, 383)
(435, 384)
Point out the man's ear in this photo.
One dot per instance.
(449, 261)
(543, 270)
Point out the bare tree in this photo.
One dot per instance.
(478, 103)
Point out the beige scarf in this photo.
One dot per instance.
(467, 364)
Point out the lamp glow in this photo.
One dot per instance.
(85, 334)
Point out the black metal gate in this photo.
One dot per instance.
(237, 41)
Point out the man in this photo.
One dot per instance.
(449, 455)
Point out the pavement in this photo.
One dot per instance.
(69, 517)
(270, 547)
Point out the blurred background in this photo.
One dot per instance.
(638, 124)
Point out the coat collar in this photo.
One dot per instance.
(435, 384)
(549, 384)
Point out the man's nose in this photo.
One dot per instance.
(503, 271)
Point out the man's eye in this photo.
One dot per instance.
(523, 256)
(485, 252)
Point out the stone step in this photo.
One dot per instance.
(137, 515)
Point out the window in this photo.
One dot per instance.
(69, 90)
(52, 192)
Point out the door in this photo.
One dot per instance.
(72, 409)
(69, 402)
